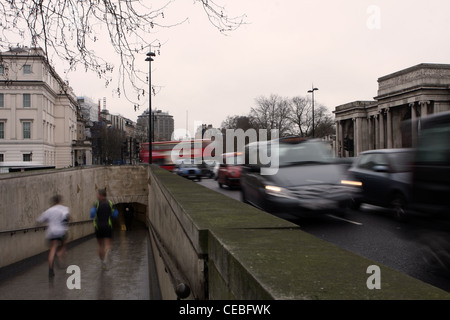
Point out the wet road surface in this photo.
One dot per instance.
(372, 232)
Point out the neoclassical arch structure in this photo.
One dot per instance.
(390, 121)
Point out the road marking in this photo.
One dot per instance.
(349, 221)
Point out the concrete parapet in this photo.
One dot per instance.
(225, 249)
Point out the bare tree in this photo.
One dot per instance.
(238, 122)
(272, 113)
(70, 31)
(230, 122)
(300, 109)
(301, 118)
(290, 116)
(323, 122)
(108, 142)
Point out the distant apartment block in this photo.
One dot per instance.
(89, 109)
(162, 126)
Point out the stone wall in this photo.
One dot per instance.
(24, 196)
(225, 249)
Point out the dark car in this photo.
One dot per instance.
(308, 181)
(207, 168)
(431, 167)
(188, 169)
(386, 178)
(431, 189)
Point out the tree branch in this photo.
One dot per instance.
(70, 31)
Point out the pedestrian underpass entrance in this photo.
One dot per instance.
(129, 275)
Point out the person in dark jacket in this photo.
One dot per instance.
(103, 213)
(129, 214)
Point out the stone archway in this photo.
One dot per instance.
(136, 211)
(405, 128)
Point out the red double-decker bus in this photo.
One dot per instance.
(162, 151)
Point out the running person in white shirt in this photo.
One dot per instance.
(57, 218)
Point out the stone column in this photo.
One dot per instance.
(355, 134)
(369, 124)
(377, 132)
(358, 137)
(389, 128)
(413, 124)
(337, 145)
(381, 129)
(424, 108)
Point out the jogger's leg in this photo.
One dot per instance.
(107, 246)
(51, 257)
(101, 249)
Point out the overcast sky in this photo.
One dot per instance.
(342, 47)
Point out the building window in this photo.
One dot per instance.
(26, 100)
(26, 69)
(2, 70)
(2, 130)
(27, 130)
(2, 100)
(27, 157)
(2, 157)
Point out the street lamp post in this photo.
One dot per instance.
(150, 135)
(312, 91)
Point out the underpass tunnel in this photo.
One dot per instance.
(131, 215)
(130, 273)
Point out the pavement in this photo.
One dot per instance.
(126, 277)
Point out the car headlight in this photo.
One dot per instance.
(278, 192)
(352, 183)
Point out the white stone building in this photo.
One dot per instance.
(392, 119)
(38, 111)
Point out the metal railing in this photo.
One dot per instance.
(38, 228)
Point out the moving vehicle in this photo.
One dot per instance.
(308, 181)
(431, 189)
(188, 169)
(431, 167)
(229, 173)
(216, 170)
(207, 168)
(162, 151)
(386, 178)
